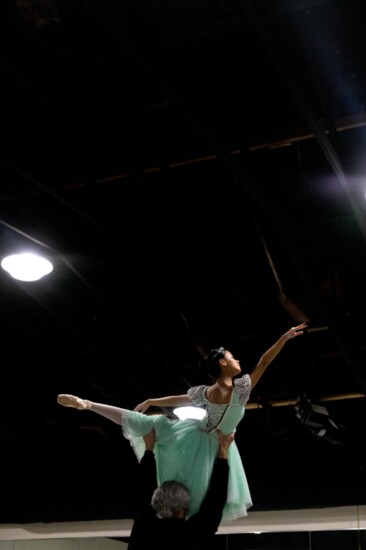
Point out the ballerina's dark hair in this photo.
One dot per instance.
(210, 364)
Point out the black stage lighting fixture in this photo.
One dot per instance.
(316, 419)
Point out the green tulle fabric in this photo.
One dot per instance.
(185, 450)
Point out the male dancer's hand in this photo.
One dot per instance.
(224, 443)
(149, 440)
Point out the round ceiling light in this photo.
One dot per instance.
(26, 266)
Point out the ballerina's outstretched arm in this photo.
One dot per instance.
(169, 401)
(273, 351)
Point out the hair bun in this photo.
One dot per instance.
(206, 363)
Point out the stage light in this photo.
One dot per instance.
(311, 414)
(26, 266)
(317, 421)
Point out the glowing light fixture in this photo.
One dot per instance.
(188, 411)
(26, 266)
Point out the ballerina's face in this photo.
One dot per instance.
(232, 364)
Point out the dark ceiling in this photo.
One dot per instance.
(196, 164)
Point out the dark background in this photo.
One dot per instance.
(197, 162)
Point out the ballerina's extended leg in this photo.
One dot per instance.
(108, 411)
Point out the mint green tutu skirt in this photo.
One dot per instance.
(186, 453)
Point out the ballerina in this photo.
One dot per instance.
(185, 450)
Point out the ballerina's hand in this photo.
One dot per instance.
(142, 407)
(296, 331)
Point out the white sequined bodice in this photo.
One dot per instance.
(228, 414)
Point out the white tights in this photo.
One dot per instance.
(112, 413)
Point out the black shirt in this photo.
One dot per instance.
(194, 533)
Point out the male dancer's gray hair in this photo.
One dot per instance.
(170, 498)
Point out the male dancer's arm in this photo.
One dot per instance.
(147, 483)
(210, 513)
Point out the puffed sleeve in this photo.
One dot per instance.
(196, 394)
(243, 387)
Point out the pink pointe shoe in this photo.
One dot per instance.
(68, 400)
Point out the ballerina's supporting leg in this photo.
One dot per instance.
(108, 411)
